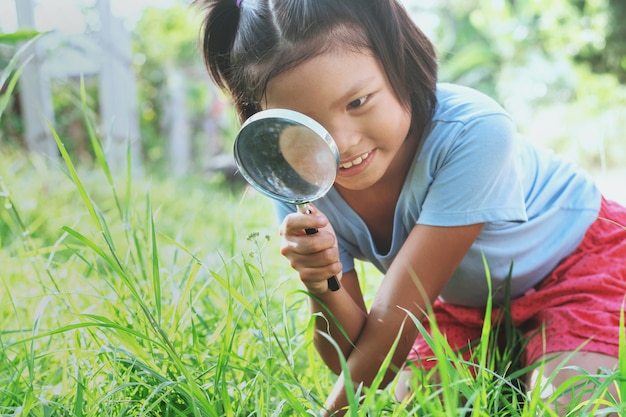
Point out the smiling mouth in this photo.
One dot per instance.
(357, 161)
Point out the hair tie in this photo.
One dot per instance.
(239, 3)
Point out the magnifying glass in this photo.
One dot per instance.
(289, 157)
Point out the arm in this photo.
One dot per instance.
(430, 255)
(316, 258)
(348, 308)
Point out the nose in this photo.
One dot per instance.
(345, 134)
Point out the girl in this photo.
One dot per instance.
(433, 178)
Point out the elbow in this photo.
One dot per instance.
(333, 363)
(329, 354)
(335, 368)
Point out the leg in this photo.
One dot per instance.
(459, 324)
(402, 384)
(405, 380)
(578, 306)
(591, 362)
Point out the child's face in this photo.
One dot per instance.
(349, 94)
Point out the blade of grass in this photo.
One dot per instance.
(312, 353)
(351, 393)
(13, 68)
(76, 179)
(484, 337)
(77, 410)
(156, 273)
(371, 394)
(113, 263)
(97, 147)
(99, 321)
(224, 282)
(6, 95)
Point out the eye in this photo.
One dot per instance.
(357, 103)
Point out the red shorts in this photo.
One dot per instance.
(579, 303)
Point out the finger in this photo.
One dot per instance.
(321, 259)
(307, 245)
(312, 276)
(296, 223)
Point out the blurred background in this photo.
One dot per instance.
(134, 69)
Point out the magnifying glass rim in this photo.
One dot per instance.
(299, 119)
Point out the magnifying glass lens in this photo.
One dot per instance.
(289, 157)
(286, 160)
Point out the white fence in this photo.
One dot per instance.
(107, 55)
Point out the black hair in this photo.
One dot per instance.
(245, 46)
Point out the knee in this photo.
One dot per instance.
(408, 381)
(564, 379)
(403, 384)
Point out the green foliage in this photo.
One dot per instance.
(71, 107)
(129, 296)
(108, 310)
(65, 94)
(530, 56)
(165, 41)
(169, 35)
(556, 65)
(12, 61)
(162, 39)
(609, 55)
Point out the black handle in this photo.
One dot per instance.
(333, 282)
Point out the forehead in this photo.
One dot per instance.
(285, 54)
(326, 79)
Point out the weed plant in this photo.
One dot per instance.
(124, 296)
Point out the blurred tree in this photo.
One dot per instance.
(556, 65)
(534, 58)
(608, 56)
(176, 93)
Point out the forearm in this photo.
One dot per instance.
(375, 342)
(341, 318)
(417, 276)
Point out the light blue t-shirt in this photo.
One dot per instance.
(472, 167)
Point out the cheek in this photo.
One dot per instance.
(394, 121)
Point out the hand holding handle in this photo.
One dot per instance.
(333, 282)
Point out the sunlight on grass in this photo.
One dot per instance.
(168, 298)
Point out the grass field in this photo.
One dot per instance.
(124, 296)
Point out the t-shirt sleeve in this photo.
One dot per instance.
(283, 209)
(475, 176)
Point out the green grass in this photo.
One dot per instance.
(124, 296)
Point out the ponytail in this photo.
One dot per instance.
(234, 35)
(219, 32)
